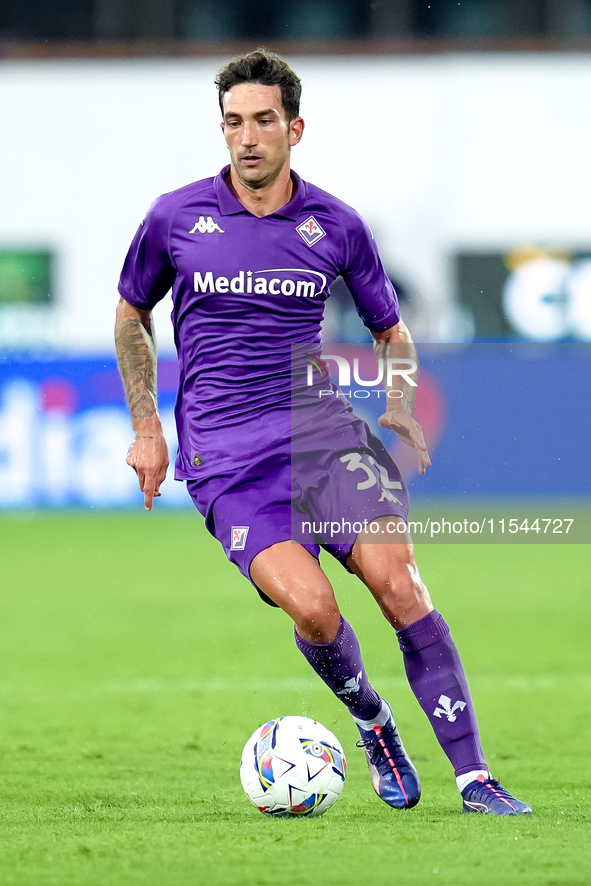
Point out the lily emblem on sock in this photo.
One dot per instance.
(446, 708)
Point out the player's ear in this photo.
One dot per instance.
(296, 130)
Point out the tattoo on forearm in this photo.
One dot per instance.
(136, 355)
(405, 392)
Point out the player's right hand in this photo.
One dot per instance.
(148, 456)
(410, 431)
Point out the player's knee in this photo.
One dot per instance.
(400, 593)
(317, 619)
(396, 584)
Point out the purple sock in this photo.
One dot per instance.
(437, 678)
(340, 665)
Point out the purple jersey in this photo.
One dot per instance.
(245, 290)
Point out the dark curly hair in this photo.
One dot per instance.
(266, 68)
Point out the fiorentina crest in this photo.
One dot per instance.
(447, 710)
(310, 231)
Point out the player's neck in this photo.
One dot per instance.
(263, 201)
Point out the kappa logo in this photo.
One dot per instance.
(206, 226)
(446, 708)
(310, 231)
(238, 541)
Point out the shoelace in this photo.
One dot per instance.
(495, 786)
(376, 751)
(493, 783)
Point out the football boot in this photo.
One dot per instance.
(393, 776)
(485, 795)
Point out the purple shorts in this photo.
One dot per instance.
(318, 495)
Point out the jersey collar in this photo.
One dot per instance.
(230, 205)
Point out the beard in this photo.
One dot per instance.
(257, 178)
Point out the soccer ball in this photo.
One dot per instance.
(293, 766)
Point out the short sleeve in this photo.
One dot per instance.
(367, 280)
(148, 271)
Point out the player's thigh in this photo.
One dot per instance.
(386, 564)
(250, 513)
(249, 509)
(291, 577)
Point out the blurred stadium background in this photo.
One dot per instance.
(459, 130)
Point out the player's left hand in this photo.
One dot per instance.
(409, 431)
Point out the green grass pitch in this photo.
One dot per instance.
(135, 662)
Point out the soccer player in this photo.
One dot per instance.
(250, 256)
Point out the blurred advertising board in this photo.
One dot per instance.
(528, 293)
(500, 420)
(64, 434)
